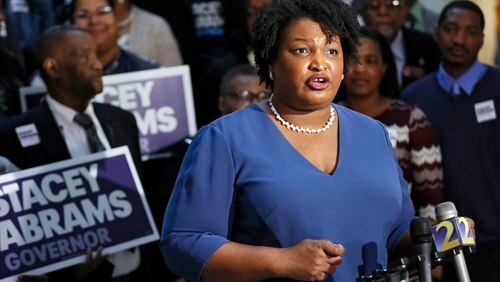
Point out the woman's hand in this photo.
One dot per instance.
(312, 260)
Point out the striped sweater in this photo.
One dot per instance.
(418, 154)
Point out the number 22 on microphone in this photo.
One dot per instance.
(452, 233)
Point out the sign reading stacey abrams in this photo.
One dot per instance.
(160, 99)
(49, 215)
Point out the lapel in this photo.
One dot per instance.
(50, 134)
(408, 45)
(106, 120)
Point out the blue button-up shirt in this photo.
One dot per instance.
(465, 83)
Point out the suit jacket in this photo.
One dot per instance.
(119, 126)
(421, 51)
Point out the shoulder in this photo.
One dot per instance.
(353, 117)
(415, 113)
(239, 119)
(40, 113)
(142, 15)
(420, 86)
(405, 107)
(139, 62)
(400, 110)
(250, 125)
(494, 73)
(358, 123)
(112, 111)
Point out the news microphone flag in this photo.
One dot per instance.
(452, 233)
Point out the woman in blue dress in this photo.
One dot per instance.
(294, 187)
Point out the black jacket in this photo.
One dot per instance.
(119, 126)
(421, 51)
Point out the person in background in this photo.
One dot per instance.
(371, 88)
(12, 72)
(146, 34)
(28, 20)
(97, 18)
(209, 42)
(415, 52)
(461, 100)
(239, 88)
(68, 126)
(252, 9)
(278, 189)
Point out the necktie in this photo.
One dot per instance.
(85, 121)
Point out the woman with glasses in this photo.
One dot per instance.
(240, 87)
(97, 17)
(371, 88)
(292, 187)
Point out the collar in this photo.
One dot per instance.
(397, 46)
(65, 113)
(467, 81)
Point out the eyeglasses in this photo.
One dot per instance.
(375, 6)
(247, 96)
(87, 15)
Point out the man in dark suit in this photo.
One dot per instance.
(415, 53)
(66, 125)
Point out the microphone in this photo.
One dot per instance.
(369, 258)
(451, 234)
(421, 236)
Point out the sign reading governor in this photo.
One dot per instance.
(51, 214)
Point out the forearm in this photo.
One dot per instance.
(239, 262)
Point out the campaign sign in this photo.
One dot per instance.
(160, 99)
(49, 215)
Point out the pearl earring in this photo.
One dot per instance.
(271, 76)
(342, 77)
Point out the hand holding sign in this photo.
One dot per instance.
(51, 215)
(90, 264)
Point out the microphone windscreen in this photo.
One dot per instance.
(369, 254)
(446, 210)
(420, 230)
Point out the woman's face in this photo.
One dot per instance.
(363, 77)
(308, 68)
(97, 18)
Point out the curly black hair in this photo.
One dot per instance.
(334, 16)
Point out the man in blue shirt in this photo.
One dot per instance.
(460, 100)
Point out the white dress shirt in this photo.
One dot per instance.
(398, 50)
(74, 135)
(76, 141)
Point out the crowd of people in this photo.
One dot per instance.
(279, 182)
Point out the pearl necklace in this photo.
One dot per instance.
(300, 129)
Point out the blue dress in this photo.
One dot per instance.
(241, 180)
